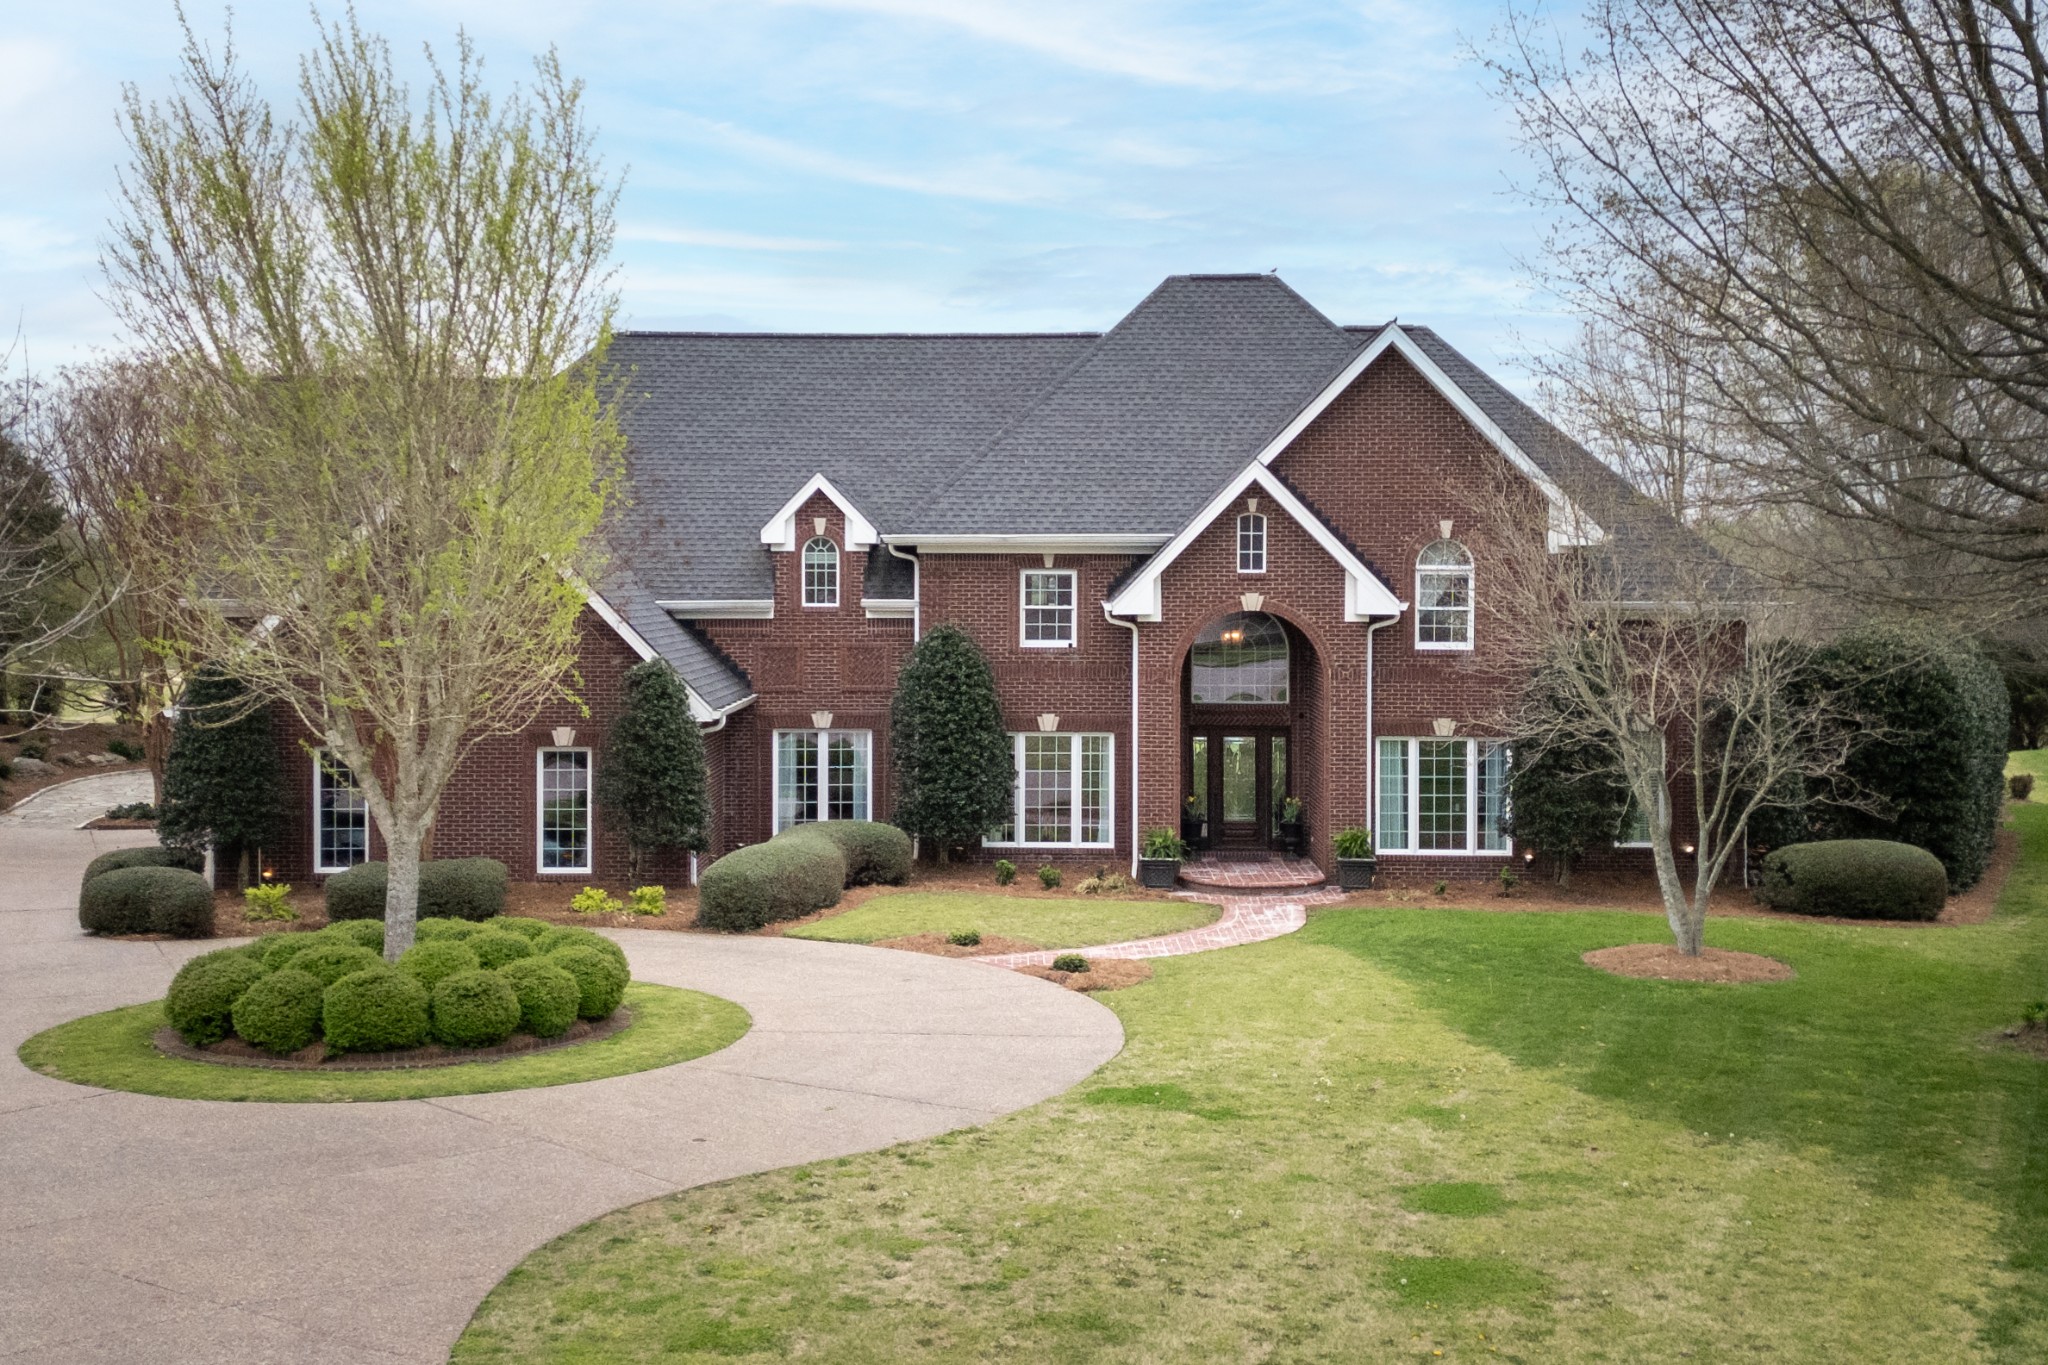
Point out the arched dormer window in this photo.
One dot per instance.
(1443, 596)
(821, 572)
(1251, 543)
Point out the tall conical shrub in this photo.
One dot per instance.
(651, 782)
(224, 779)
(954, 771)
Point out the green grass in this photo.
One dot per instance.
(115, 1051)
(1081, 922)
(1405, 1132)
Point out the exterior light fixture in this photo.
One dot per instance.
(1528, 855)
(1687, 848)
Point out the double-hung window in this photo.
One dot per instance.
(563, 778)
(1443, 796)
(1251, 542)
(1048, 607)
(822, 775)
(1443, 597)
(341, 817)
(1065, 794)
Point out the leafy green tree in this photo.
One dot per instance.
(651, 783)
(954, 772)
(224, 782)
(1566, 799)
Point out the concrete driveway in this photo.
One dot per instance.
(138, 1228)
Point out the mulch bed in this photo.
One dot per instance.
(1663, 962)
(104, 823)
(936, 945)
(1103, 974)
(235, 1052)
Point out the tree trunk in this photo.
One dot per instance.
(401, 889)
(156, 751)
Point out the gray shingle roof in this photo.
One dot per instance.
(716, 679)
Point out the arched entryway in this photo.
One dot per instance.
(1247, 751)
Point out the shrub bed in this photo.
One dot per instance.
(450, 888)
(1855, 879)
(147, 899)
(874, 852)
(149, 856)
(788, 877)
(286, 992)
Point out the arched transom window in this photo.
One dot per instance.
(821, 573)
(1443, 597)
(1240, 658)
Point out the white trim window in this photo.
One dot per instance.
(1635, 826)
(1065, 794)
(822, 775)
(1443, 796)
(1251, 542)
(341, 816)
(1443, 596)
(821, 572)
(562, 835)
(1047, 606)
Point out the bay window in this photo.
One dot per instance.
(1442, 796)
(822, 775)
(1064, 795)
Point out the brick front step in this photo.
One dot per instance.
(1252, 872)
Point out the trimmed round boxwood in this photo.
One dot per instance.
(364, 933)
(281, 1012)
(435, 960)
(528, 929)
(450, 888)
(494, 949)
(440, 930)
(788, 877)
(474, 1009)
(1855, 879)
(600, 982)
(201, 1002)
(147, 900)
(377, 1010)
(330, 961)
(549, 996)
(149, 855)
(278, 949)
(573, 936)
(875, 852)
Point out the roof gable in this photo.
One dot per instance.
(780, 531)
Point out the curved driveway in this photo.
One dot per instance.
(139, 1228)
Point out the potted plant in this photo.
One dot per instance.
(1194, 829)
(1355, 860)
(1159, 860)
(1291, 837)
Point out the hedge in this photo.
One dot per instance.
(549, 995)
(436, 959)
(600, 982)
(376, 1010)
(150, 855)
(874, 852)
(281, 1012)
(1855, 879)
(200, 1005)
(147, 900)
(788, 877)
(330, 961)
(450, 888)
(474, 1009)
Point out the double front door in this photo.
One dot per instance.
(1239, 781)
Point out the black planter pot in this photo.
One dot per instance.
(1355, 874)
(1193, 832)
(1292, 837)
(1158, 873)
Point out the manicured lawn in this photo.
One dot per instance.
(114, 1050)
(1408, 1132)
(1080, 922)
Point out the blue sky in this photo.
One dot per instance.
(919, 165)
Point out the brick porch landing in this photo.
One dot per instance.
(1251, 873)
(1245, 919)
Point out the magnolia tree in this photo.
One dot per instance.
(954, 770)
(652, 783)
(384, 316)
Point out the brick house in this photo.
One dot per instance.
(1213, 554)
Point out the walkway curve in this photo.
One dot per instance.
(139, 1228)
(1245, 919)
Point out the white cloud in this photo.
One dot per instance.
(711, 237)
(29, 243)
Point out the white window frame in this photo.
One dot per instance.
(540, 813)
(803, 570)
(1633, 809)
(320, 867)
(1072, 609)
(823, 739)
(1074, 766)
(1412, 798)
(1255, 524)
(1471, 609)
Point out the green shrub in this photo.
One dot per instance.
(147, 900)
(965, 938)
(130, 810)
(450, 888)
(474, 1009)
(267, 902)
(437, 959)
(364, 933)
(572, 936)
(1164, 844)
(331, 960)
(278, 949)
(493, 949)
(647, 900)
(1070, 962)
(1048, 876)
(1352, 843)
(954, 767)
(600, 982)
(1006, 872)
(2021, 785)
(549, 995)
(1855, 879)
(594, 900)
(528, 929)
(121, 748)
(875, 853)
(151, 855)
(281, 1012)
(788, 877)
(438, 930)
(200, 1005)
(379, 1009)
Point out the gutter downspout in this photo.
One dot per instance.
(916, 591)
(1132, 627)
(1372, 743)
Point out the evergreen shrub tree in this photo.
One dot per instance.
(1565, 800)
(223, 779)
(651, 783)
(954, 771)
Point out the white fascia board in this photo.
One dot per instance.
(620, 626)
(1365, 596)
(780, 532)
(1568, 525)
(886, 608)
(720, 608)
(1112, 543)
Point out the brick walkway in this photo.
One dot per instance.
(1245, 919)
